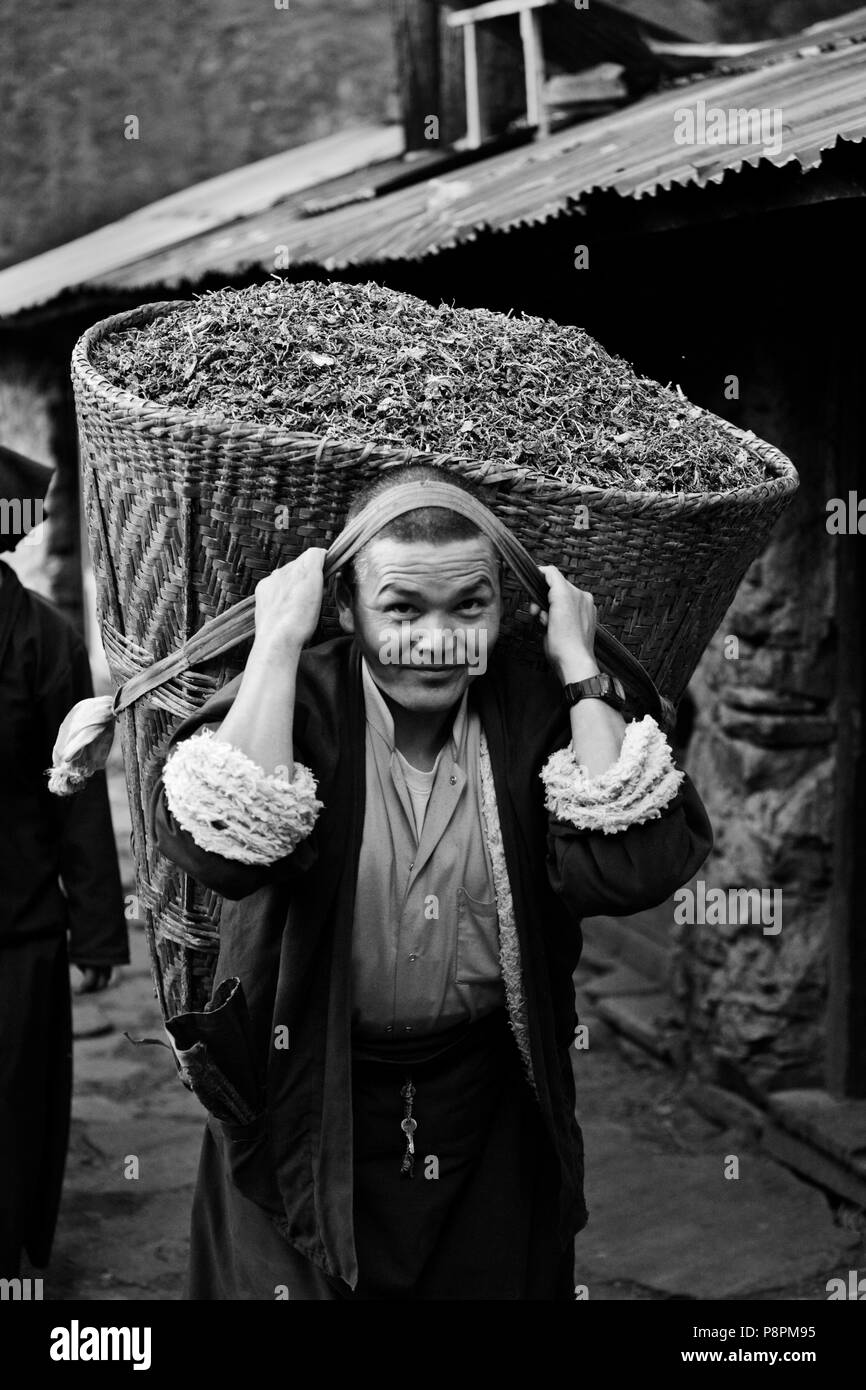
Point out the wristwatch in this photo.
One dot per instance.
(603, 687)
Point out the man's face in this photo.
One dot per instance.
(426, 617)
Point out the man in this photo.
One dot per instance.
(409, 827)
(59, 883)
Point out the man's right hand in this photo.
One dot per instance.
(289, 602)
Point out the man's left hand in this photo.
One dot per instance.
(569, 642)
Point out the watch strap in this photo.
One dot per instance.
(600, 687)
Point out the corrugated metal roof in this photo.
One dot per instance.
(816, 79)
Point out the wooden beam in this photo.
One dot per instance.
(473, 95)
(700, 50)
(416, 36)
(501, 95)
(494, 9)
(533, 65)
(452, 83)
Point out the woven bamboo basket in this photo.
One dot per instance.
(186, 513)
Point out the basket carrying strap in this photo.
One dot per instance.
(238, 623)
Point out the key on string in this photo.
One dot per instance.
(408, 1126)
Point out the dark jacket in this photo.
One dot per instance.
(46, 839)
(286, 931)
(59, 879)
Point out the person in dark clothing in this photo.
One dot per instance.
(60, 901)
(407, 844)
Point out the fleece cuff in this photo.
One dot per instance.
(636, 788)
(231, 807)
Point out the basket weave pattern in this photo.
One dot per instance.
(187, 512)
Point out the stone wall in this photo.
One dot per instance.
(763, 755)
(214, 84)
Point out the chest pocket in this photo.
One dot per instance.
(477, 940)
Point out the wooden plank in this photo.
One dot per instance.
(846, 999)
(713, 51)
(239, 193)
(533, 65)
(452, 86)
(494, 9)
(725, 1108)
(818, 1167)
(621, 980)
(836, 1127)
(614, 939)
(416, 35)
(637, 1016)
(473, 95)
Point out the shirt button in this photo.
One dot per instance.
(389, 1028)
(412, 865)
(413, 957)
(408, 1028)
(453, 781)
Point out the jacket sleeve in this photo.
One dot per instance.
(215, 814)
(89, 872)
(625, 841)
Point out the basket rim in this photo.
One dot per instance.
(785, 479)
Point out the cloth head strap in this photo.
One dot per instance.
(411, 497)
(238, 623)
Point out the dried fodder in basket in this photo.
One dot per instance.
(367, 363)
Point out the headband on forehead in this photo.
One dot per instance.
(411, 497)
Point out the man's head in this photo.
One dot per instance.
(422, 598)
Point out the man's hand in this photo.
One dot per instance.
(289, 602)
(569, 642)
(597, 730)
(288, 607)
(94, 978)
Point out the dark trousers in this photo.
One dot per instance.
(478, 1220)
(35, 1096)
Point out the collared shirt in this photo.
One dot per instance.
(425, 939)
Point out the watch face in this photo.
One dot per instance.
(608, 689)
